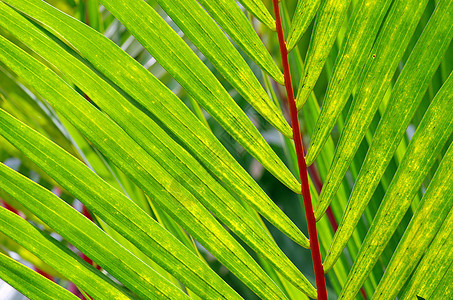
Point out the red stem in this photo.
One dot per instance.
(312, 232)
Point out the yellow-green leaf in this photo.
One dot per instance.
(233, 20)
(180, 164)
(259, 10)
(204, 33)
(29, 282)
(304, 14)
(426, 144)
(361, 34)
(87, 237)
(165, 107)
(406, 96)
(432, 211)
(382, 62)
(327, 25)
(59, 257)
(433, 276)
(142, 168)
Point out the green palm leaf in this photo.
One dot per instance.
(184, 144)
(158, 183)
(230, 17)
(427, 142)
(406, 96)
(30, 283)
(103, 249)
(257, 8)
(59, 257)
(361, 33)
(375, 81)
(117, 210)
(433, 275)
(431, 213)
(171, 112)
(304, 14)
(206, 36)
(151, 138)
(327, 25)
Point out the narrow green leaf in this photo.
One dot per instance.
(406, 96)
(177, 58)
(116, 210)
(147, 173)
(233, 20)
(87, 237)
(59, 257)
(202, 30)
(304, 14)
(10, 245)
(435, 267)
(159, 145)
(361, 34)
(382, 62)
(30, 283)
(431, 213)
(259, 10)
(444, 289)
(327, 25)
(169, 110)
(426, 144)
(28, 110)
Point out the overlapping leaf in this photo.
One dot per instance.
(436, 203)
(327, 25)
(164, 106)
(382, 62)
(157, 143)
(116, 210)
(361, 34)
(204, 33)
(432, 278)
(142, 168)
(406, 96)
(176, 57)
(30, 283)
(87, 237)
(231, 18)
(426, 144)
(304, 14)
(59, 257)
(259, 10)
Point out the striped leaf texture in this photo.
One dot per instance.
(249, 149)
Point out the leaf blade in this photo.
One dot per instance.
(87, 237)
(195, 22)
(259, 10)
(176, 57)
(303, 15)
(361, 33)
(231, 18)
(431, 213)
(167, 108)
(426, 144)
(20, 277)
(156, 182)
(58, 256)
(434, 266)
(382, 62)
(327, 25)
(158, 144)
(406, 96)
